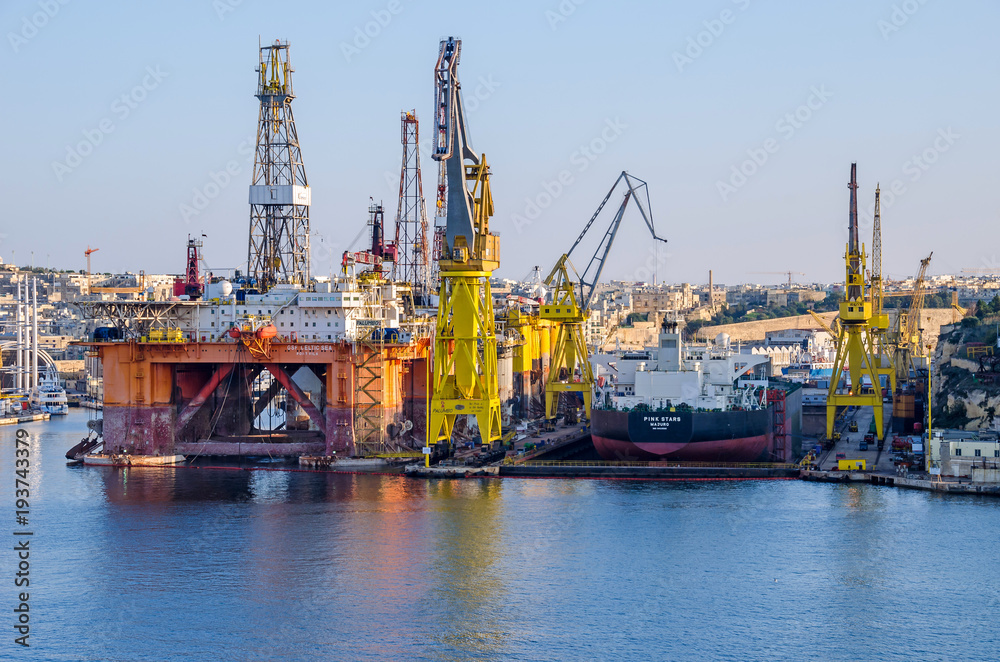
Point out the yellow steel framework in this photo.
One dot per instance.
(464, 380)
(878, 326)
(908, 340)
(570, 351)
(570, 308)
(854, 348)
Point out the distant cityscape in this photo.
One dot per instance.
(625, 314)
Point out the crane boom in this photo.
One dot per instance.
(465, 379)
(570, 369)
(453, 146)
(636, 189)
(917, 303)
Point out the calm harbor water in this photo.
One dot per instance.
(207, 564)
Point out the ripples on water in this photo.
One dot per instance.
(203, 564)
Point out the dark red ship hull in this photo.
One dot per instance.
(684, 436)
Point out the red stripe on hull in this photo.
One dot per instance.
(746, 449)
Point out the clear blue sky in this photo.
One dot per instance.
(552, 86)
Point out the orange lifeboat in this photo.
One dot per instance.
(268, 331)
(234, 332)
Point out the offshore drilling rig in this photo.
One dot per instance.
(203, 372)
(274, 361)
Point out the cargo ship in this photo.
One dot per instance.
(697, 403)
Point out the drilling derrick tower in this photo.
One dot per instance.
(464, 380)
(854, 347)
(190, 283)
(411, 216)
(279, 193)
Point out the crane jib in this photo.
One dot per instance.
(636, 190)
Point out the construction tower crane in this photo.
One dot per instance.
(908, 341)
(572, 298)
(464, 380)
(854, 347)
(878, 326)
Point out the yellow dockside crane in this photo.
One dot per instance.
(569, 369)
(879, 323)
(464, 379)
(854, 347)
(908, 340)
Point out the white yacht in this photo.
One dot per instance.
(50, 397)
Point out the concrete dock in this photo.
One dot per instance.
(915, 482)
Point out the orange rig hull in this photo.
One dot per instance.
(193, 398)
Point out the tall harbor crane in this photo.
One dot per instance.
(879, 324)
(464, 380)
(908, 342)
(572, 298)
(854, 347)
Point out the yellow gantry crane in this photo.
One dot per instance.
(464, 380)
(854, 347)
(569, 368)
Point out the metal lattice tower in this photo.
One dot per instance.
(411, 216)
(876, 275)
(879, 323)
(279, 193)
(369, 412)
(440, 222)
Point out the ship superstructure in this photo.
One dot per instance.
(700, 402)
(711, 376)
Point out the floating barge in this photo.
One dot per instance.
(128, 460)
(24, 418)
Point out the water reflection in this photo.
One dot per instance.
(469, 590)
(237, 564)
